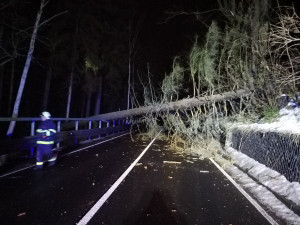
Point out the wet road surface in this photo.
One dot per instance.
(163, 188)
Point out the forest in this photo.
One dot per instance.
(83, 58)
(84, 53)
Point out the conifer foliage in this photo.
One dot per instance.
(252, 50)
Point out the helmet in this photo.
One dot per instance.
(47, 115)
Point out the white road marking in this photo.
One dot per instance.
(104, 198)
(16, 171)
(78, 150)
(250, 199)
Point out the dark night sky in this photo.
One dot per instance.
(164, 39)
(168, 38)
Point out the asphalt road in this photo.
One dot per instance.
(162, 188)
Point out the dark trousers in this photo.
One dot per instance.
(43, 153)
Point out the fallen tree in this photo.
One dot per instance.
(181, 104)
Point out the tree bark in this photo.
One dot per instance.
(1, 88)
(47, 89)
(11, 89)
(88, 103)
(1, 75)
(129, 78)
(25, 70)
(83, 106)
(99, 96)
(182, 104)
(74, 57)
(70, 94)
(133, 35)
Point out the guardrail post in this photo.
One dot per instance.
(119, 123)
(90, 127)
(58, 130)
(99, 136)
(32, 131)
(107, 125)
(76, 125)
(114, 124)
(32, 128)
(123, 122)
(76, 128)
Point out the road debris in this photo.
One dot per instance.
(22, 214)
(171, 162)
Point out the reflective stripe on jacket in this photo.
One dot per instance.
(46, 130)
(45, 142)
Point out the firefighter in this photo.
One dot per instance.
(46, 130)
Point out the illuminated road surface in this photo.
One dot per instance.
(162, 188)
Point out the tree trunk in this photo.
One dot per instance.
(132, 40)
(47, 89)
(82, 114)
(88, 103)
(1, 75)
(74, 57)
(129, 78)
(182, 104)
(25, 70)
(70, 94)
(99, 97)
(11, 89)
(1, 88)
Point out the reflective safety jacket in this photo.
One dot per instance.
(46, 130)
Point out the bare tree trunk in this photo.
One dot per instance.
(99, 97)
(47, 89)
(1, 86)
(70, 94)
(129, 78)
(25, 70)
(11, 89)
(1, 75)
(130, 45)
(82, 106)
(88, 104)
(133, 35)
(72, 71)
(182, 104)
(173, 106)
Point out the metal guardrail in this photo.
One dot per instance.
(70, 137)
(65, 138)
(68, 121)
